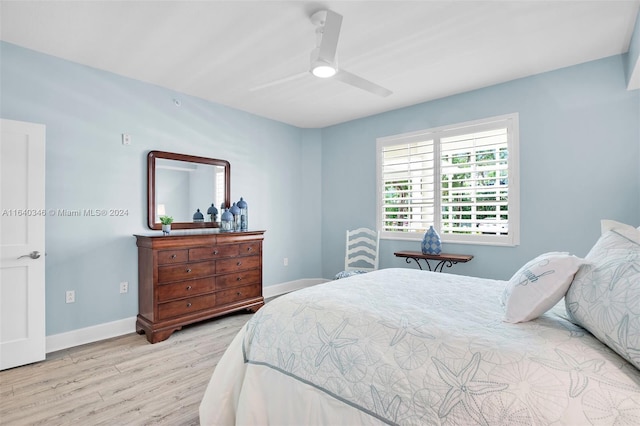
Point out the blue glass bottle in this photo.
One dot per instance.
(198, 216)
(227, 221)
(244, 214)
(213, 213)
(235, 211)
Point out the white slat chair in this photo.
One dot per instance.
(361, 252)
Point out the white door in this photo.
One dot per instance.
(22, 215)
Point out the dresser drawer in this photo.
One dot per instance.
(250, 248)
(185, 271)
(237, 264)
(203, 253)
(172, 256)
(187, 288)
(237, 279)
(238, 294)
(186, 306)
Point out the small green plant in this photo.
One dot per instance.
(166, 220)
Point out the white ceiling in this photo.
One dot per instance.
(421, 50)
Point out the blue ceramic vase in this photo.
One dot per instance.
(431, 242)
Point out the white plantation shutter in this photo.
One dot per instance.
(408, 186)
(474, 182)
(461, 179)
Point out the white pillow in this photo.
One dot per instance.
(538, 286)
(623, 229)
(604, 296)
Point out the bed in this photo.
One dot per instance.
(402, 346)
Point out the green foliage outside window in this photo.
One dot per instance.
(464, 208)
(395, 194)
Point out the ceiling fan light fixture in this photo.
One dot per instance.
(321, 67)
(323, 70)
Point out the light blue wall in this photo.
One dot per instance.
(579, 151)
(273, 166)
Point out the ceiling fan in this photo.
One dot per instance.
(323, 57)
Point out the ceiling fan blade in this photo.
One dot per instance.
(361, 83)
(279, 81)
(330, 35)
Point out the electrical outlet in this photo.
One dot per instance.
(124, 287)
(126, 139)
(70, 296)
(286, 261)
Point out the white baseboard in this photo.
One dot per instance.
(82, 336)
(91, 334)
(278, 289)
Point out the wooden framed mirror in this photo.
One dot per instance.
(178, 185)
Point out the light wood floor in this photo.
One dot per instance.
(120, 381)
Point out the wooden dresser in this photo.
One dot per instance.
(188, 277)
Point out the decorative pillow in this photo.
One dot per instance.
(347, 274)
(626, 231)
(604, 297)
(538, 286)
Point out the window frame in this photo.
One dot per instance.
(508, 121)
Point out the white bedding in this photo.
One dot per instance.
(401, 346)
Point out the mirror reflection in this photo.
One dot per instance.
(181, 184)
(183, 187)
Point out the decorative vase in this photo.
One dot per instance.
(166, 229)
(227, 221)
(244, 215)
(431, 242)
(213, 213)
(198, 216)
(235, 211)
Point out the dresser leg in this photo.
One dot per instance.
(141, 328)
(154, 336)
(255, 308)
(159, 336)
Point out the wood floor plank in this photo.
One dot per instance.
(123, 381)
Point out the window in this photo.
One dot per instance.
(462, 179)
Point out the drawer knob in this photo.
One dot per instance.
(239, 263)
(239, 279)
(250, 248)
(239, 293)
(215, 252)
(188, 270)
(188, 304)
(188, 287)
(173, 256)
